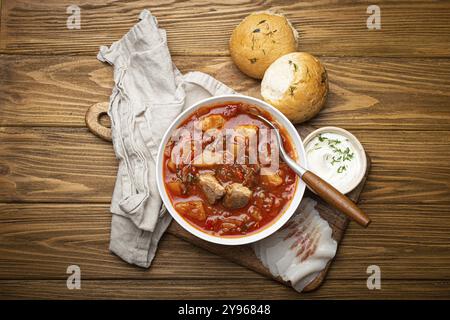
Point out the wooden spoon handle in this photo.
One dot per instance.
(92, 119)
(336, 199)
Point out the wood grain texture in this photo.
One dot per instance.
(39, 241)
(71, 164)
(374, 93)
(220, 289)
(66, 165)
(418, 28)
(390, 87)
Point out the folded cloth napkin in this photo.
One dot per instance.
(149, 93)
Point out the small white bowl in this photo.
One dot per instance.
(274, 225)
(358, 148)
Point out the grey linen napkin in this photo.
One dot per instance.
(149, 93)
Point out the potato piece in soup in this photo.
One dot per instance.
(213, 121)
(193, 209)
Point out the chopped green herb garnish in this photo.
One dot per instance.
(335, 159)
(341, 169)
(316, 146)
(321, 139)
(294, 64)
(340, 154)
(291, 90)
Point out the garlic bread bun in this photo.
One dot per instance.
(297, 85)
(259, 40)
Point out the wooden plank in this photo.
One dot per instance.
(2, 28)
(72, 165)
(409, 29)
(220, 289)
(411, 94)
(39, 241)
(398, 234)
(65, 165)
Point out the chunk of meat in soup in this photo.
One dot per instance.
(212, 189)
(236, 196)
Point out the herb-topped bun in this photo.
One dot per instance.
(259, 40)
(297, 85)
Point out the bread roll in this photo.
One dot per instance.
(259, 40)
(297, 85)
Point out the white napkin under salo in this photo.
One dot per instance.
(149, 93)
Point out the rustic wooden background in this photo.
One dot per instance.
(390, 87)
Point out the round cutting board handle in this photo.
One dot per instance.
(92, 119)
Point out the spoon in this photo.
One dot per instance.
(326, 191)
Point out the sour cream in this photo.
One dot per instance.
(335, 158)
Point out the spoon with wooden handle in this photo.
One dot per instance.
(326, 191)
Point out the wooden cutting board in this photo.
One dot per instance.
(244, 255)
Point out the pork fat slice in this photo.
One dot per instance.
(301, 249)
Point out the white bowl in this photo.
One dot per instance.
(358, 148)
(282, 217)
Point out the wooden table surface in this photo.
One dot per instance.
(390, 87)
